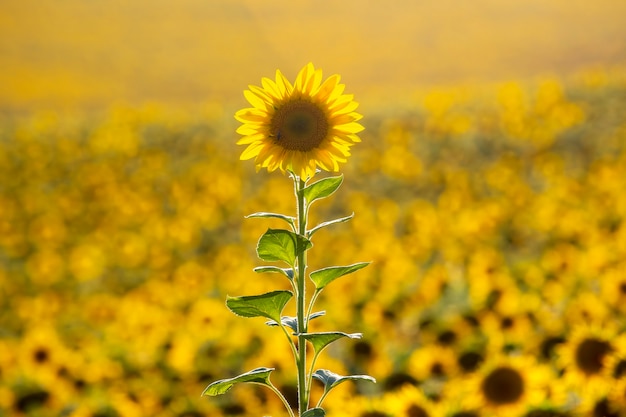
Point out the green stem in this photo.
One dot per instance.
(319, 403)
(310, 382)
(312, 303)
(303, 401)
(291, 344)
(282, 398)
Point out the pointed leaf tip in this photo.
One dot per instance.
(322, 188)
(328, 223)
(289, 219)
(255, 376)
(320, 340)
(323, 277)
(331, 379)
(288, 272)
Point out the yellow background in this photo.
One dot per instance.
(93, 52)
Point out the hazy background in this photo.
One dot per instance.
(94, 52)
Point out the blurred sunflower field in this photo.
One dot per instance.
(494, 220)
(493, 213)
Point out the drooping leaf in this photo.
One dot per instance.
(331, 379)
(314, 412)
(322, 339)
(322, 188)
(288, 272)
(292, 322)
(269, 305)
(289, 219)
(281, 245)
(328, 223)
(256, 376)
(323, 277)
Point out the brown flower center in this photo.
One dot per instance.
(41, 355)
(299, 125)
(590, 354)
(469, 361)
(415, 410)
(503, 386)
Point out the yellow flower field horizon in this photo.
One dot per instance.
(79, 53)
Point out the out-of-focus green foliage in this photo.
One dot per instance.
(494, 221)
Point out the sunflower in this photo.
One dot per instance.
(584, 358)
(433, 361)
(409, 401)
(514, 330)
(506, 385)
(299, 127)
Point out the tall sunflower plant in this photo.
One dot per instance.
(299, 129)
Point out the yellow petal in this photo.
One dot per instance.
(266, 155)
(248, 129)
(251, 151)
(252, 115)
(313, 83)
(344, 108)
(349, 138)
(340, 102)
(343, 119)
(345, 150)
(336, 93)
(283, 84)
(327, 88)
(255, 100)
(261, 93)
(349, 128)
(271, 88)
(329, 163)
(246, 140)
(303, 76)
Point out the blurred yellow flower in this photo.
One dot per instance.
(87, 261)
(584, 357)
(299, 127)
(506, 385)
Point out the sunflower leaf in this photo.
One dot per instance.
(289, 219)
(288, 272)
(331, 379)
(292, 322)
(322, 339)
(281, 245)
(269, 305)
(314, 412)
(256, 376)
(322, 188)
(323, 277)
(328, 223)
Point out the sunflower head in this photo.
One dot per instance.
(506, 385)
(503, 385)
(299, 127)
